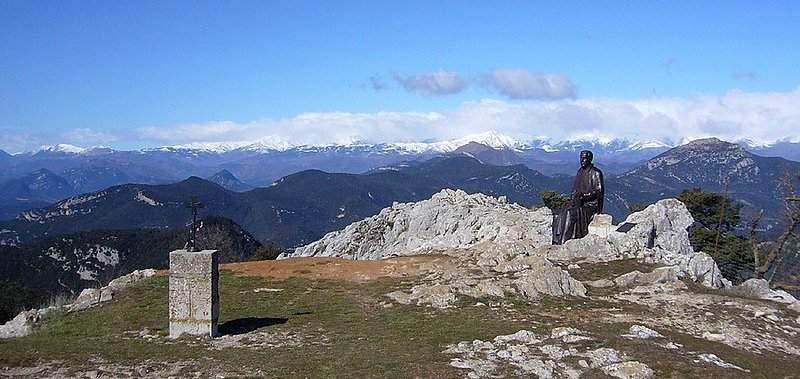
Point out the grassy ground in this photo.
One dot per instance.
(362, 337)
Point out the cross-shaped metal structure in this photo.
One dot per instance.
(195, 205)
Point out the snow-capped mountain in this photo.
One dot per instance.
(261, 162)
(274, 144)
(62, 148)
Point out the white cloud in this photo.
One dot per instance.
(434, 83)
(304, 129)
(735, 115)
(762, 117)
(19, 142)
(87, 137)
(15, 142)
(521, 84)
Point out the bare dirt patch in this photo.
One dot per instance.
(327, 268)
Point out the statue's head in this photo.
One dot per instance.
(586, 158)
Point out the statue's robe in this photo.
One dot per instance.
(586, 200)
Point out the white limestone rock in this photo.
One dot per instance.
(134, 277)
(659, 275)
(715, 360)
(628, 370)
(591, 248)
(759, 289)
(627, 279)
(660, 236)
(603, 356)
(90, 297)
(449, 219)
(22, 325)
(438, 296)
(666, 223)
(601, 225)
(545, 278)
(643, 332)
(599, 283)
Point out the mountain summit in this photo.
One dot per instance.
(712, 164)
(228, 181)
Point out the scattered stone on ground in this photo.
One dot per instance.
(151, 368)
(255, 339)
(713, 317)
(257, 290)
(526, 353)
(628, 370)
(643, 332)
(713, 359)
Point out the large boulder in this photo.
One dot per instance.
(543, 278)
(662, 225)
(22, 324)
(451, 219)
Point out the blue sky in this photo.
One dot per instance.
(130, 74)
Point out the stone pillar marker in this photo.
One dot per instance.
(193, 293)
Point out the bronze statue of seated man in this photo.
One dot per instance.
(586, 200)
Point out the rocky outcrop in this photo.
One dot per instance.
(657, 235)
(449, 219)
(509, 246)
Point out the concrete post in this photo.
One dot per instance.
(193, 293)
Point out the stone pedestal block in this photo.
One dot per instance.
(193, 293)
(601, 225)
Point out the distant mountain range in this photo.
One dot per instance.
(72, 170)
(301, 207)
(297, 209)
(48, 176)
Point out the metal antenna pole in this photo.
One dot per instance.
(195, 205)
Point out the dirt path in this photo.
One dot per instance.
(341, 269)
